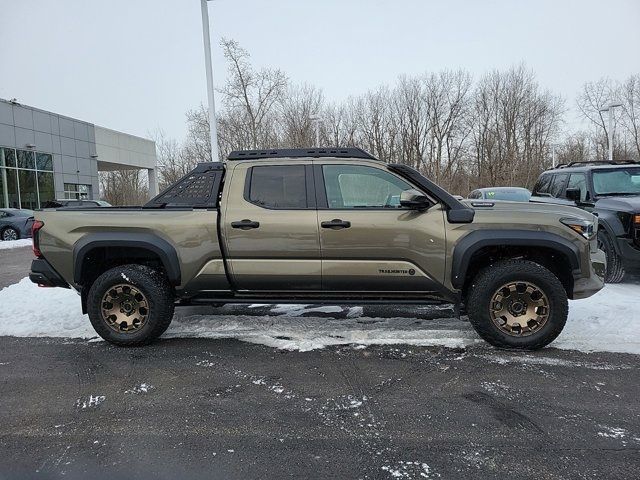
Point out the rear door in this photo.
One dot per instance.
(367, 240)
(270, 226)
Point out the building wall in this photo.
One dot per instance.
(72, 142)
(120, 148)
(79, 149)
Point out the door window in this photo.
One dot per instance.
(579, 181)
(557, 185)
(278, 186)
(355, 186)
(542, 185)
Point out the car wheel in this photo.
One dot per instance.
(10, 233)
(130, 305)
(517, 304)
(615, 268)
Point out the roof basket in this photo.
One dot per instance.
(350, 152)
(596, 162)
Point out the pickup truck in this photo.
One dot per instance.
(332, 226)
(610, 190)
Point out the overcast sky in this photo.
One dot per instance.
(136, 66)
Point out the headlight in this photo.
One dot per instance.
(583, 227)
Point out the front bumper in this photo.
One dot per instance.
(584, 287)
(44, 275)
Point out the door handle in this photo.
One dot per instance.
(336, 224)
(245, 224)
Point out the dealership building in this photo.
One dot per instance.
(47, 156)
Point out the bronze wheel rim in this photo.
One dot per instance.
(124, 308)
(519, 309)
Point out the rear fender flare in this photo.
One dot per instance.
(147, 241)
(474, 241)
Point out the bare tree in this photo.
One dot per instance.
(296, 109)
(173, 164)
(251, 95)
(629, 95)
(124, 187)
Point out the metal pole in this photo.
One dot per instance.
(610, 110)
(553, 155)
(317, 119)
(209, 70)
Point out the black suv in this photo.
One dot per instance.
(610, 190)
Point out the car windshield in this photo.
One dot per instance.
(24, 213)
(619, 181)
(102, 203)
(509, 195)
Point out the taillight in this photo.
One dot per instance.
(636, 220)
(37, 225)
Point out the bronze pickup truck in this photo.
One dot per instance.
(333, 226)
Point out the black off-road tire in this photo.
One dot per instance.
(491, 278)
(615, 268)
(152, 284)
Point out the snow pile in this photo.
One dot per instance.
(23, 242)
(608, 321)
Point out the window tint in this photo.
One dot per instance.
(279, 186)
(543, 184)
(353, 186)
(475, 194)
(557, 185)
(579, 181)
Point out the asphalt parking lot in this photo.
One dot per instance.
(204, 408)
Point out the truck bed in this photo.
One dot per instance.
(191, 232)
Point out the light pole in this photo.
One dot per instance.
(610, 132)
(317, 119)
(209, 69)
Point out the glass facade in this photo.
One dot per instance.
(26, 178)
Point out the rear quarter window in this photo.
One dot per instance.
(543, 185)
(278, 186)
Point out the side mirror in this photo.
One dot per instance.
(573, 194)
(414, 199)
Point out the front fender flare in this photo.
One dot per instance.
(474, 241)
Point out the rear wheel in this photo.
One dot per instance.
(9, 234)
(615, 268)
(130, 305)
(517, 304)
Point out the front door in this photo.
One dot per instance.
(270, 226)
(368, 241)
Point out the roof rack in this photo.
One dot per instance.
(351, 152)
(595, 162)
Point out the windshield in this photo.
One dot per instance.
(509, 195)
(621, 181)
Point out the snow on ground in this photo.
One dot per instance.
(23, 242)
(608, 321)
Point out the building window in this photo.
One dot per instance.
(74, 191)
(26, 178)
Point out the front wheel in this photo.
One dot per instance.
(517, 304)
(615, 268)
(130, 305)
